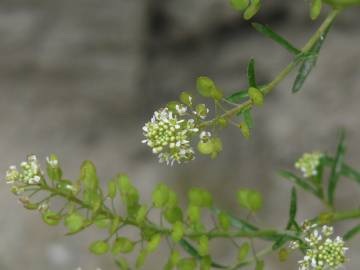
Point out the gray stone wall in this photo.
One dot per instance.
(79, 78)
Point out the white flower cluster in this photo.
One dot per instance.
(29, 173)
(169, 135)
(322, 252)
(308, 163)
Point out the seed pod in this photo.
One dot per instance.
(245, 130)
(252, 9)
(186, 98)
(239, 5)
(315, 9)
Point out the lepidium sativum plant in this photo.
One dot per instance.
(176, 134)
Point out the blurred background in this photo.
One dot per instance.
(80, 78)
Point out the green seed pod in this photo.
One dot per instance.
(122, 245)
(283, 254)
(245, 130)
(173, 215)
(239, 5)
(53, 169)
(160, 196)
(115, 224)
(205, 148)
(74, 222)
(177, 231)
(243, 251)
(224, 221)
(102, 221)
(141, 214)
(99, 247)
(154, 243)
(222, 122)
(193, 213)
(256, 96)
(315, 9)
(252, 9)
(112, 189)
(250, 199)
(205, 86)
(122, 263)
(187, 264)
(201, 110)
(140, 260)
(187, 98)
(51, 218)
(217, 94)
(203, 247)
(205, 263)
(172, 105)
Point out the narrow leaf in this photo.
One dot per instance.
(248, 118)
(305, 185)
(346, 170)
(190, 249)
(238, 96)
(265, 30)
(336, 168)
(251, 74)
(350, 234)
(293, 208)
(307, 65)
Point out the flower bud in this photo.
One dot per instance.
(256, 96)
(315, 9)
(186, 98)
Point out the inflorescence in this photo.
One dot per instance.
(321, 252)
(308, 163)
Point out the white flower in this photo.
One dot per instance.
(308, 163)
(29, 173)
(169, 136)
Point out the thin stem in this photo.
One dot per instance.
(284, 73)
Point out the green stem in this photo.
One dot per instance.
(343, 3)
(284, 73)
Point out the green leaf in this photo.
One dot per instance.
(351, 233)
(293, 208)
(336, 168)
(302, 183)
(346, 170)
(308, 64)
(276, 37)
(99, 247)
(194, 253)
(238, 96)
(251, 74)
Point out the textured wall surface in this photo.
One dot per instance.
(79, 78)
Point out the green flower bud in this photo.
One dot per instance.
(243, 251)
(154, 243)
(177, 231)
(245, 130)
(172, 105)
(74, 222)
(239, 5)
(203, 247)
(252, 9)
(122, 245)
(99, 247)
(173, 215)
(187, 264)
(250, 199)
(201, 110)
(187, 98)
(283, 255)
(51, 218)
(205, 86)
(256, 96)
(315, 9)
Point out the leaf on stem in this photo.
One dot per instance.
(336, 168)
(251, 74)
(265, 30)
(302, 183)
(351, 233)
(293, 209)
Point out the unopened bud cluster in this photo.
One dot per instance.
(308, 163)
(322, 252)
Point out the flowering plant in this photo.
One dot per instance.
(175, 133)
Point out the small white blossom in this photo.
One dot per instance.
(205, 136)
(181, 109)
(322, 252)
(169, 136)
(54, 163)
(29, 173)
(308, 163)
